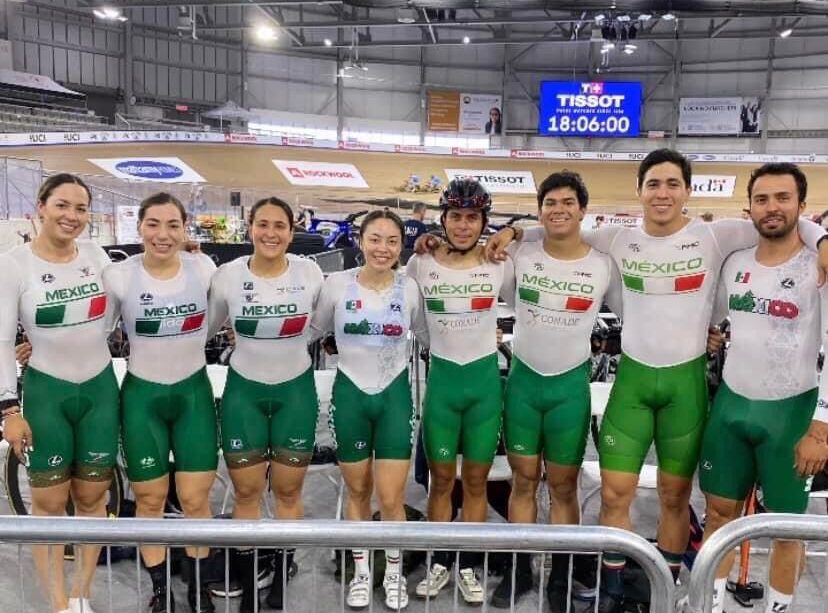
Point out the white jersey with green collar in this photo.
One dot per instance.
(556, 303)
(774, 325)
(371, 327)
(270, 316)
(669, 282)
(461, 306)
(63, 309)
(165, 319)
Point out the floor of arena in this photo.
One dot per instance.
(315, 588)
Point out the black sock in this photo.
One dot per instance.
(158, 575)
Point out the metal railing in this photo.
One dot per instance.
(344, 534)
(784, 526)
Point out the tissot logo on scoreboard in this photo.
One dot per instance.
(571, 108)
(498, 181)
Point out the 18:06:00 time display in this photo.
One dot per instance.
(589, 125)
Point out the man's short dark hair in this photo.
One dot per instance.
(660, 156)
(419, 207)
(564, 178)
(780, 169)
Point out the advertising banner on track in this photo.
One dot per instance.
(714, 186)
(320, 174)
(450, 111)
(165, 170)
(719, 116)
(498, 181)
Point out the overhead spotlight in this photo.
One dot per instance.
(328, 42)
(629, 48)
(599, 18)
(786, 33)
(406, 15)
(645, 17)
(266, 33)
(668, 16)
(109, 14)
(466, 40)
(623, 18)
(607, 47)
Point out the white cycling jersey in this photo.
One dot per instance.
(63, 309)
(774, 325)
(461, 306)
(556, 303)
(165, 319)
(371, 327)
(271, 317)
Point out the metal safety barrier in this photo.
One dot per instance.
(783, 526)
(343, 534)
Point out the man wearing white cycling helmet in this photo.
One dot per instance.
(463, 402)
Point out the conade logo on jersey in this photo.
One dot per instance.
(149, 169)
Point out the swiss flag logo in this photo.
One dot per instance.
(295, 172)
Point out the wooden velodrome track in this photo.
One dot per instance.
(249, 168)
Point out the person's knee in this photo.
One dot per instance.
(360, 490)
(474, 483)
(193, 499)
(721, 511)
(53, 505)
(390, 501)
(674, 500)
(249, 491)
(524, 484)
(616, 497)
(151, 503)
(442, 483)
(289, 494)
(564, 491)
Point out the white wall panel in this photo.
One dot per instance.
(198, 85)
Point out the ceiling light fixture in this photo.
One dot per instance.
(466, 40)
(786, 33)
(328, 42)
(645, 17)
(109, 14)
(266, 33)
(668, 16)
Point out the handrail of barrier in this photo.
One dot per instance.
(787, 526)
(344, 534)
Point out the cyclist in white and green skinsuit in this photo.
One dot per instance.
(167, 401)
(53, 287)
(463, 402)
(669, 269)
(763, 427)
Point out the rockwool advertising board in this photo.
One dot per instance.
(320, 174)
(165, 170)
(498, 181)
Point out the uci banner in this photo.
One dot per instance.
(719, 116)
(498, 181)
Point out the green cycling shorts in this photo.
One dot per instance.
(158, 418)
(365, 425)
(262, 422)
(549, 413)
(463, 406)
(667, 404)
(74, 427)
(749, 441)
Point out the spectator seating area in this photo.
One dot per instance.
(20, 118)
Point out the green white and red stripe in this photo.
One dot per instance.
(466, 304)
(271, 327)
(170, 326)
(664, 285)
(71, 312)
(552, 301)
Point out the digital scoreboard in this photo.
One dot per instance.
(600, 109)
